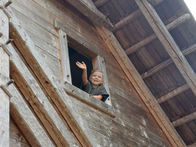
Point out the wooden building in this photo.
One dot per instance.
(145, 49)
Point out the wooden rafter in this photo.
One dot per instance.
(173, 93)
(168, 43)
(91, 12)
(184, 119)
(143, 92)
(166, 63)
(131, 16)
(126, 20)
(100, 3)
(147, 40)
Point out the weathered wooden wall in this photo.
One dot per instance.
(131, 126)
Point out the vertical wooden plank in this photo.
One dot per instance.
(99, 63)
(4, 29)
(4, 100)
(64, 57)
(4, 77)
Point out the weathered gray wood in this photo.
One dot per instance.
(100, 3)
(184, 119)
(147, 40)
(74, 37)
(131, 16)
(47, 80)
(5, 3)
(4, 77)
(4, 29)
(26, 121)
(4, 119)
(59, 129)
(169, 43)
(143, 92)
(17, 139)
(88, 9)
(167, 62)
(173, 93)
(64, 57)
(155, 2)
(85, 98)
(126, 20)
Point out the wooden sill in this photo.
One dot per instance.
(88, 100)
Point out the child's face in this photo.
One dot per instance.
(96, 78)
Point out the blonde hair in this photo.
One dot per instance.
(96, 70)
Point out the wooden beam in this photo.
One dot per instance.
(26, 120)
(4, 78)
(155, 2)
(100, 3)
(88, 9)
(173, 93)
(126, 20)
(144, 93)
(168, 43)
(35, 97)
(192, 145)
(184, 119)
(131, 16)
(47, 80)
(37, 107)
(147, 40)
(167, 62)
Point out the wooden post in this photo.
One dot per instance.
(4, 78)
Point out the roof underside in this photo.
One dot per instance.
(151, 59)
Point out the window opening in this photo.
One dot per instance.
(76, 73)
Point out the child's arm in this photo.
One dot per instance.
(84, 71)
(98, 96)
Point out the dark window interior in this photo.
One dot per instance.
(76, 73)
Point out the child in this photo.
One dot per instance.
(95, 84)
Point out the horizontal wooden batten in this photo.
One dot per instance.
(131, 16)
(167, 62)
(147, 40)
(100, 3)
(88, 9)
(184, 119)
(126, 20)
(173, 93)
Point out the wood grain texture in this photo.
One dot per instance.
(47, 80)
(141, 88)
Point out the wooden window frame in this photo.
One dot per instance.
(97, 61)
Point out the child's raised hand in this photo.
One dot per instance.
(81, 65)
